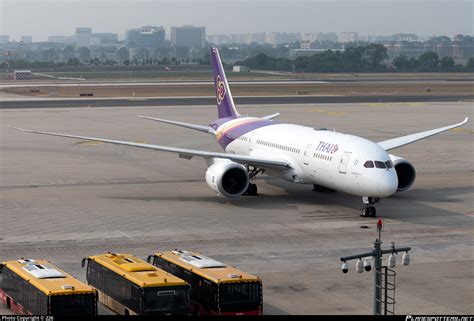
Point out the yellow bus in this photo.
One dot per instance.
(128, 285)
(216, 288)
(36, 287)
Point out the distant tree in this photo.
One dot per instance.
(262, 59)
(126, 62)
(69, 52)
(374, 54)
(402, 63)
(354, 55)
(73, 62)
(49, 54)
(206, 60)
(84, 53)
(123, 54)
(447, 63)
(142, 54)
(428, 61)
(470, 63)
(95, 61)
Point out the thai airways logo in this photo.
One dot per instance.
(220, 89)
(327, 147)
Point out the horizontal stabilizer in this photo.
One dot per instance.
(272, 116)
(205, 129)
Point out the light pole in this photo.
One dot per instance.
(381, 273)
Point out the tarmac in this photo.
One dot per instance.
(12, 101)
(63, 199)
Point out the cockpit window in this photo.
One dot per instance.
(379, 164)
(369, 164)
(389, 164)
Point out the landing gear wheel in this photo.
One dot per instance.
(251, 190)
(369, 211)
(364, 212)
(372, 211)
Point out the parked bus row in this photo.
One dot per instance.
(174, 282)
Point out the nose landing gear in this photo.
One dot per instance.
(369, 210)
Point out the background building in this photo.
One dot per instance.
(279, 38)
(346, 37)
(145, 37)
(83, 37)
(104, 39)
(4, 39)
(188, 37)
(143, 42)
(406, 37)
(26, 39)
(61, 39)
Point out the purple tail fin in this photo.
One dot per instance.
(225, 103)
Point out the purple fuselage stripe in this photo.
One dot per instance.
(229, 135)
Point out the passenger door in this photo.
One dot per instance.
(343, 162)
(252, 141)
(307, 154)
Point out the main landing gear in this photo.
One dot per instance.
(252, 188)
(369, 210)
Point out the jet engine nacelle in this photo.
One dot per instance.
(405, 172)
(227, 178)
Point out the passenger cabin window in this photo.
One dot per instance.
(369, 164)
(379, 164)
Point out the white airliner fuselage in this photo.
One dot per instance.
(326, 158)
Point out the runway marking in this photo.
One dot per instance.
(330, 113)
(89, 143)
(462, 130)
(415, 104)
(377, 104)
(124, 234)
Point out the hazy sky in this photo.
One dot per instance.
(40, 18)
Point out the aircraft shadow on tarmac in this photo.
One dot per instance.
(407, 207)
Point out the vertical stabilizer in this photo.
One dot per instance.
(225, 103)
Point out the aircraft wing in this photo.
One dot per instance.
(405, 140)
(257, 161)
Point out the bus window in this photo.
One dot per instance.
(73, 304)
(166, 299)
(235, 296)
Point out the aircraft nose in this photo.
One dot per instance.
(388, 183)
